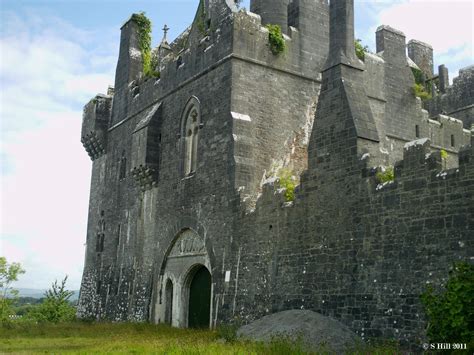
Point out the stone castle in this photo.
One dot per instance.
(193, 220)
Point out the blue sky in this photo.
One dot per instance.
(55, 55)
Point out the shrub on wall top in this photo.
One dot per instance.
(275, 38)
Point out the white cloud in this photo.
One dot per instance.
(48, 70)
(443, 24)
(446, 25)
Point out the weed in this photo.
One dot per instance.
(360, 49)
(385, 175)
(276, 40)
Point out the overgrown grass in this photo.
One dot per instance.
(130, 338)
(138, 338)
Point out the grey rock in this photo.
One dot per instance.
(314, 330)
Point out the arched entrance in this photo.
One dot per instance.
(199, 299)
(169, 302)
(184, 288)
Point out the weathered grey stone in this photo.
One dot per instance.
(347, 247)
(314, 330)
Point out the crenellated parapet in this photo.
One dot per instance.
(95, 123)
(423, 169)
(456, 100)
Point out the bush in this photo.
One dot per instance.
(421, 88)
(360, 49)
(386, 175)
(418, 75)
(420, 91)
(55, 307)
(287, 182)
(451, 313)
(228, 332)
(275, 38)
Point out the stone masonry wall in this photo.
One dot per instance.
(457, 100)
(368, 271)
(347, 246)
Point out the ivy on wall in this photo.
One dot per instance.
(144, 42)
(420, 88)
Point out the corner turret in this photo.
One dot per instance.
(95, 122)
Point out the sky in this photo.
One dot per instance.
(55, 55)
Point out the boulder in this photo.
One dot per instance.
(314, 330)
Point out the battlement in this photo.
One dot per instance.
(456, 100)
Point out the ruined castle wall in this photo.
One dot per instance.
(397, 112)
(458, 99)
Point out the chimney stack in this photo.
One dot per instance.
(341, 34)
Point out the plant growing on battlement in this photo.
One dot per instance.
(420, 91)
(287, 181)
(385, 175)
(444, 157)
(360, 49)
(418, 75)
(144, 42)
(451, 312)
(275, 39)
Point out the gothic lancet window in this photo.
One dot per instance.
(190, 136)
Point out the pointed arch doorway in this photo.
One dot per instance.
(184, 295)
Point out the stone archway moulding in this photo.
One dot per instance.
(186, 253)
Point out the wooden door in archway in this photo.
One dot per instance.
(200, 299)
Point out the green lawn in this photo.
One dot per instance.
(101, 338)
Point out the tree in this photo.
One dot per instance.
(451, 312)
(8, 274)
(55, 307)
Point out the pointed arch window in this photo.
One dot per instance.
(190, 135)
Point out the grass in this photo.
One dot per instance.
(102, 338)
(135, 338)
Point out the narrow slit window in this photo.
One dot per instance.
(417, 131)
(123, 167)
(453, 143)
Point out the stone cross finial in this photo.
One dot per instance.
(165, 30)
